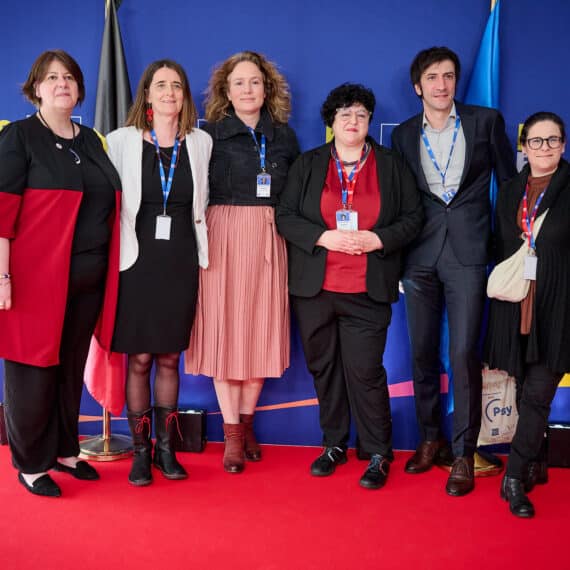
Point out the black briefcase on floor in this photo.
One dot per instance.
(559, 445)
(3, 433)
(192, 429)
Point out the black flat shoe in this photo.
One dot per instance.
(82, 471)
(376, 473)
(44, 486)
(325, 464)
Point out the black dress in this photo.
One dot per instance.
(157, 295)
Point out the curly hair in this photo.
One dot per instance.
(277, 94)
(137, 113)
(346, 95)
(539, 117)
(39, 71)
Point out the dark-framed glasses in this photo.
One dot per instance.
(535, 143)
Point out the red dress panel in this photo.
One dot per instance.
(39, 204)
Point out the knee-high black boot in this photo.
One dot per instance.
(140, 424)
(166, 424)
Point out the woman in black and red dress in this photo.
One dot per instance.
(58, 270)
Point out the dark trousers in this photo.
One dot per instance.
(343, 338)
(42, 404)
(463, 290)
(537, 390)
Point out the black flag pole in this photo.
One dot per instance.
(111, 108)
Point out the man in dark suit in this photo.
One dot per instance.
(452, 150)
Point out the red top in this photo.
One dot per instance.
(347, 273)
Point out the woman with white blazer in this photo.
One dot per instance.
(163, 162)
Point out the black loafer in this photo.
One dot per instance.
(376, 473)
(44, 486)
(82, 471)
(326, 463)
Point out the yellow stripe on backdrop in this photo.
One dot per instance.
(565, 382)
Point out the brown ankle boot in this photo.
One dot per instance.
(252, 449)
(233, 448)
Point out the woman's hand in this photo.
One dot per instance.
(366, 241)
(5, 294)
(350, 242)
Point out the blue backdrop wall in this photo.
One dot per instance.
(317, 46)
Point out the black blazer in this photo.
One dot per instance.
(467, 219)
(300, 221)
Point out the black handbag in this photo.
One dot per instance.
(192, 429)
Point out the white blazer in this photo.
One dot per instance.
(125, 151)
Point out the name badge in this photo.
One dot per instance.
(449, 194)
(264, 185)
(347, 220)
(163, 224)
(529, 270)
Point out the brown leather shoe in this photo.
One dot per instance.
(461, 479)
(428, 454)
(233, 448)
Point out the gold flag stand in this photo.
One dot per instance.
(106, 447)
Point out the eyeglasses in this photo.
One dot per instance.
(344, 115)
(535, 143)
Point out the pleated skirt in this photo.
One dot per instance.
(241, 327)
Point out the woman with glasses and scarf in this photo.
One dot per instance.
(530, 339)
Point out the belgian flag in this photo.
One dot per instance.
(113, 87)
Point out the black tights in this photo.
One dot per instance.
(166, 381)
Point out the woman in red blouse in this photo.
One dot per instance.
(348, 210)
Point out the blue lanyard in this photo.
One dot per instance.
(348, 182)
(432, 155)
(529, 220)
(166, 184)
(261, 150)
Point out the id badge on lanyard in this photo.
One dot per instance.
(263, 180)
(530, 264)
(263, 185)
(163, 224)
(530, 260)
(449, 193)
(346, 220)
(163, 221)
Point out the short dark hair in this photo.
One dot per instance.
(137, 113)
(346, 95)
(428, 57)
(39, 71)
(539, 117)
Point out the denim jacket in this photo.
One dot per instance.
(235, 161)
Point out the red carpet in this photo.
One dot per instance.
(276, 516)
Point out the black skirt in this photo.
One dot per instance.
(157, 295)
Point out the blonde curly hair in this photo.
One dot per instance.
(277, 94)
